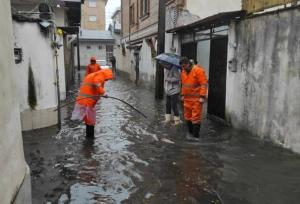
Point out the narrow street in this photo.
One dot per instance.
(137, 160)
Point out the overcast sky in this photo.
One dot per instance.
(110, 8)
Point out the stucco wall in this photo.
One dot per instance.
(263, 96)
(12, 162)
(37, 53)
(147, 66)
(87, 53)
(205, 8)
(125, 63)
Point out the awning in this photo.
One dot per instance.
(217, 20)
(70, 30)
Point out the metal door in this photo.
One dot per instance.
(189, 50)
(217, 77)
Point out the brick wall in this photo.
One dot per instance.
(98, 11)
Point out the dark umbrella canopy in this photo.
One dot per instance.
(169, 58)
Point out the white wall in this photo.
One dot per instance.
(61, 69)
(147, 65)
(205, 8)
(37, 51)
(263, 95)
(86, 54)
(12, 162)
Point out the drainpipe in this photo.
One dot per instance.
(58, 91)
(78, 52)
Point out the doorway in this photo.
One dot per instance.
(137, 65)
(217, 77)
(189, 50)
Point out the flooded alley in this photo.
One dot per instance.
(137, 160)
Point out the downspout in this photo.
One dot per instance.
(78, 52)
(56, 47)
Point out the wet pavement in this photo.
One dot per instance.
(137, 160)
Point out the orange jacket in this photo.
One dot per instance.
(91, 68)
(194, 83)
(93, 86)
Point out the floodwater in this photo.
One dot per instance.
(138, 160)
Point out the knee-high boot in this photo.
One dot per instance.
(189, 125)
(90, 131)
(196, 130)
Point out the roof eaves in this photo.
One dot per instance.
(211, 21)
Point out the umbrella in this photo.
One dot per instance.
(169, 58)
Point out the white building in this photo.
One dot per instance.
(34, 38)
(115, 29)
(14, 172)
(94, 43)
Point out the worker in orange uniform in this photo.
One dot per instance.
(92, 67)
(90, 92)
(193, 92)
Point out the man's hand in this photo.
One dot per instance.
(202, 100)
(182, 98)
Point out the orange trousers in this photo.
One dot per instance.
(193, 111)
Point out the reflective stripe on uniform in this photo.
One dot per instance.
(87, 96)
(91, 84)
(193, 95)
(193, 85)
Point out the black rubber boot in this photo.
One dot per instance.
(196, 130)
(189, 126)
(90, 131)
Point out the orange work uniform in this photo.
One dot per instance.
(91, 90)
(194, 87)
(91, 68)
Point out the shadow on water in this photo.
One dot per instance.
(134, 160)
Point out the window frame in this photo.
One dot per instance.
(144, 9)
(131, 15)
(92, 3)
(92, 20)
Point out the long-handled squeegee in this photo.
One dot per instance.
(105, 96)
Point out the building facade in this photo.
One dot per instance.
(263, 76)
(97, 44)
(139, 19)
(93, 15)
(42, 68)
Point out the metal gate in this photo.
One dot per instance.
(217, 77)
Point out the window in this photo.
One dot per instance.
(88, 47)
(92, 3)
(92, 18)
(131, 15)
(100, 47)
(18, 55)
(144, 8)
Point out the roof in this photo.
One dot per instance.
(219, 19)
(118, 10)
(95, 35)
